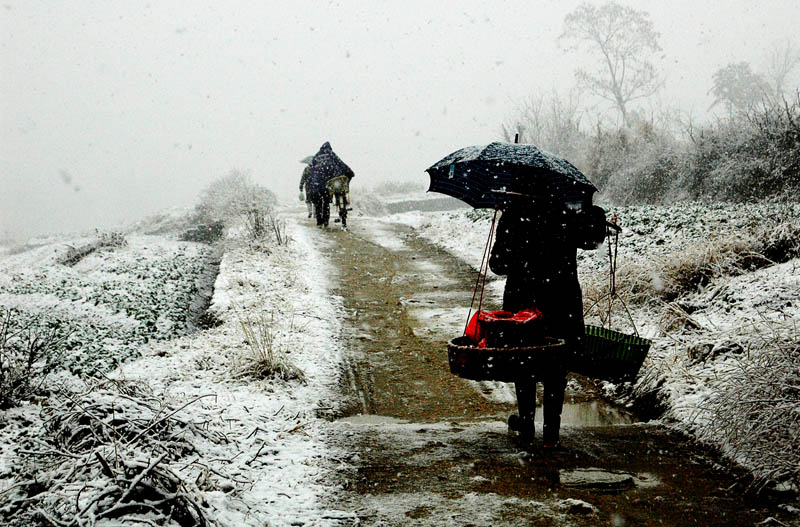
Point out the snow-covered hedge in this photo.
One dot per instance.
(110, 303)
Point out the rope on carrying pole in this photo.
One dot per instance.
(482, 272)
(612, 273)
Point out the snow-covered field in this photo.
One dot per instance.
(249, 452)
(179, 408)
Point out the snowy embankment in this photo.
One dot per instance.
(183, 427)
(708, 339)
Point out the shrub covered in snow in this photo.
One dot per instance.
(741, 158)
(105, 308)
(754, 413)
(231, 197)
(30, 349)
(659, 159)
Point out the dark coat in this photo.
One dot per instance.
(326, 165)
(535, 249)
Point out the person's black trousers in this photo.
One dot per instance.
(322, 207)
(554, 382)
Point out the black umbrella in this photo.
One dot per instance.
(486, 176)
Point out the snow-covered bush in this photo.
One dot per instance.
(745, 157)
(103, 314)
(29, 351)
(636, 164)
(753, 414)
(229, 198)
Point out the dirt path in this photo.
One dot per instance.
(430, 448)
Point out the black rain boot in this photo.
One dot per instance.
(554, 387)
(526, 402)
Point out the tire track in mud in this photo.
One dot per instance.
(399, 365)
(434, 449)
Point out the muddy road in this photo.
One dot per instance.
(428, 448)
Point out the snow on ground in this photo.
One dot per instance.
(263, 452)
(744, 310)
(271, 425)
(263, 457)
(112, 300)
(433, 319)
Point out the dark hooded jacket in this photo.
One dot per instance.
(535, 249)
(326, 165)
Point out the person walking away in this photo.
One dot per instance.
(305, 185)
(325, 165)
(536, 248)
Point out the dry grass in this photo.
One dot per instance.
(110, 454)
(261, 224)
(769, 241)
(634, 286)
(278, 228)
(754, 412)
(267, 357)
(701, 263)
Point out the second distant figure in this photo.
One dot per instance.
(325, 165)
(305, 185)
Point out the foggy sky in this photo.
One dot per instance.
(112, 110)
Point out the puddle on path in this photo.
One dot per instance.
(575, 415)
(592, 413)
(371, 419)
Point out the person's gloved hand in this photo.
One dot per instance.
(301, 197)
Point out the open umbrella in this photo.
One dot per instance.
(485, 176)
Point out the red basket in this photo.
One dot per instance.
(504, 329)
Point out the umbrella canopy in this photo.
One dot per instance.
(485, 176)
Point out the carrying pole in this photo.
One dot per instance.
(482, 271)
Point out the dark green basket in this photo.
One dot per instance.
(609, 355)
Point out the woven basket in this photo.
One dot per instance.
(609, 355)
(500, 364)
(339, 184)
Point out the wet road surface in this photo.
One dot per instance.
(428, 448)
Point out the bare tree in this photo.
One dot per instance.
(551, 122)
(625, 41)
(782, 60)
(738, 87)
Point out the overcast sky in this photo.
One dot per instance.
(112, 110)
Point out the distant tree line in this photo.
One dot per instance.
(749, 151)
